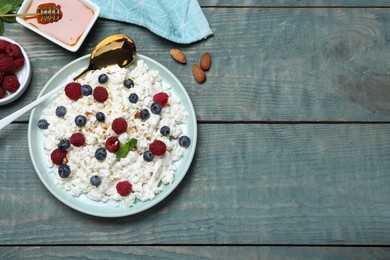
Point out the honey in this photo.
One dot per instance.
(75, 19)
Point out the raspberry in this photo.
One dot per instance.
(3, 45)
(77, 139)
(161, 98)
(100, 94)
(57, 156)
(112, 144)
(73, 90)
(19, 63)
(2, 93)
(119, 125)
(158, 147)
(123, 188)
(7, 65)
(10, 83)
(13, 50)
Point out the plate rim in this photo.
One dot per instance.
(147, 204)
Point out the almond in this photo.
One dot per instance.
(205, 61)
(178, 55)
(199, 74)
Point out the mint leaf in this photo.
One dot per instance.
(132, 143)
(5, 9)
(11, 19)
(124, 149)
(15, 3)
(1, 27)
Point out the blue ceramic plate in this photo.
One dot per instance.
(82, 203)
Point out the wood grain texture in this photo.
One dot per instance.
(255, 184)
(188, 252)
(267, 65)
(291, 3)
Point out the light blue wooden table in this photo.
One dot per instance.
(293, 154)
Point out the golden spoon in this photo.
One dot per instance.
(115, 49)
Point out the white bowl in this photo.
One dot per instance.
(96, 12)
(23, 75)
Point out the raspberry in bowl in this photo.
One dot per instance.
(15, 70)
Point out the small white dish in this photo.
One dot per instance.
(23, 75)
(74, 47)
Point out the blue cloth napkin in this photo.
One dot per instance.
(180, 21)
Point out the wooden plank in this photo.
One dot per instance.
(268, 64)
(189, 252)
(292, 3)
(315, 184)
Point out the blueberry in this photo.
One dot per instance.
(60, 111)
(133, 98)
(64, 171)
(100, 117)
(148, 156)
(184, 141)
(63, 145)
(80, 120)
(128, 83)
(101, 154)
(145, 114)
(43, 124)
(86, 90)
(165, 130)
(95, 180)
(156, 108)
(103, 78)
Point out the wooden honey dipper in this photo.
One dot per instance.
(46, 13)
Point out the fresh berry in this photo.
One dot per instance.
(145, 114)
(133, 98)
(100, 116)
(165, 130)
(19, 63)
(95, 180)
(119, 125)
(64, 170)
(161, 98)
(184, 141)
(158, 147)
(10, 83)
(2, 93)
(77, 139)
(112, 144)
(128, 83)
(57, 156)
(3, 45)
(103, 78)
(123, 188)
(73, 90)
(60, 111)
(100, 94)
(7, 65)
(13, 50)
(100, 154)
(86, 90)
(63, 145)
(156, 108)
(43, 124)
(80, 120)
(148, 156)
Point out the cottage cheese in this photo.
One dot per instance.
(147, 178)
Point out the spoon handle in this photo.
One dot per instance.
(9, 119)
